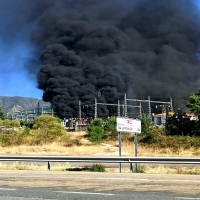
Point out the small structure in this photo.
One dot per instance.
(160, 119)
(75, 124)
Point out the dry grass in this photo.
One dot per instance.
(148, 151)
(34, 166)
(159, 169)
(86, 148)
(106, 149)
(50, 149)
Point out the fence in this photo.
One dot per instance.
(89, 159)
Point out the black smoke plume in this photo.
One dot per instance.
(104, 49)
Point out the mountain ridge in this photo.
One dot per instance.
(18, 103)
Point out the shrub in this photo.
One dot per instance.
(147, 125)
(97, 168)
(10, 123)
(26, 131)
(4, 140)
(139, 169)
(12, 139)
(110, 129)
(26, 124)
(95, 131)
(49, 128)
(68, 141)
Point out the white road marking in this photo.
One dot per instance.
(186, 198)
(192, 181)
(86, 193)
(7, 189)
(124, 179)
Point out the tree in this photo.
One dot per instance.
(194, 103)
(180, 124)
(2, 115)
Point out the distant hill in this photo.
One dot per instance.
(15, 104)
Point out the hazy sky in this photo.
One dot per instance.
(13, 55)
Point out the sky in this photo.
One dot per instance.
(13, 55)
(18, 82)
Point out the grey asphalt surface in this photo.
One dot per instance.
(55, 185)
(63, 194)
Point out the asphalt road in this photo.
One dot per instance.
(64, 185)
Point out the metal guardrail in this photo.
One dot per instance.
(92, 159)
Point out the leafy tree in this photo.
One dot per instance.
(194, 103)
(194, 107)
(180, 124)
(49, 128)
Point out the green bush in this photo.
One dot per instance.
(95, 131)
(139, 169)
(9, 123)
(110, 129)
(97, 168)
(4, 140)
(150, 139)
(12, 139)
(26, 131)
(49, 128)
(147, 125)
(173, 142)
(26, 124)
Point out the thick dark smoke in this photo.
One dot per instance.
(107, 48)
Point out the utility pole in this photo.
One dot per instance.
(118, 109)
(112, 104)
(149, 107)
(95, 108)
(171, 105)
(79, 103)
(38, 111)
(149, 104)
(125, 107)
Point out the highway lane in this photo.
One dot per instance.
(64, 194)
(38, 185)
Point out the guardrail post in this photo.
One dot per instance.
(49, 166)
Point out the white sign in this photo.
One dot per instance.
(128, 125)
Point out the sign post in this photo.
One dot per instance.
(120, 150)
(135, 145)
(128, 126)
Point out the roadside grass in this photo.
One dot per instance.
(158, 169)
(80, 146)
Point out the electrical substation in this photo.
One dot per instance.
(128, 108)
